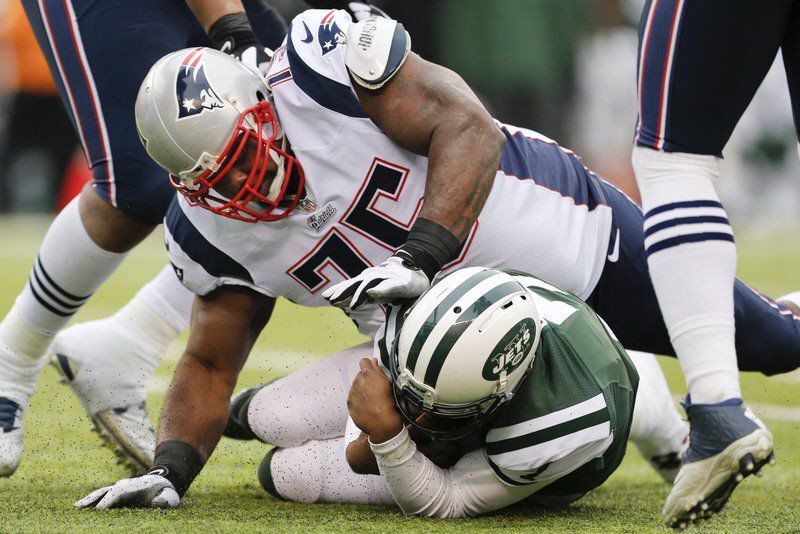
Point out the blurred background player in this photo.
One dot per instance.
(700, 63)
(98, 52)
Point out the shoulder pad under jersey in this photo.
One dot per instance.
(376, 48)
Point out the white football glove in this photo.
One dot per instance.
(393, 279)
(364, 10)
(148, 491)
(256, 56)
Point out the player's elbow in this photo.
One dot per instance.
(479, 131)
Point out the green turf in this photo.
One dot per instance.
(63, 461)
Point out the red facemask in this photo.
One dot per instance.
(249, 204)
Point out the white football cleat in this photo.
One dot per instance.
(727, 443)
(10, 436)
(126, 430)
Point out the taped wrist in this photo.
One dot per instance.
(178, 462)
(429, 246)
(231, 32)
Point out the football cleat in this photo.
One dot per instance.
(238, 427)
(10, 436)
(126, 430)
(265, 474)
(727, 443)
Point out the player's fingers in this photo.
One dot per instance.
(362, 296)
(91, 499)
(385, 291)
(328, 293)
(111, 498)
(166, 498)
(341, 294)
(365, 364)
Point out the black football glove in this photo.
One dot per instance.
(233, 35)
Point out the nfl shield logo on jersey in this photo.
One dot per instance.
(330, 36)
(193, 91)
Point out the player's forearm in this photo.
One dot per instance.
(418, 486)
(196, 407)
(462, 162)
(210, 11)
(192, 420)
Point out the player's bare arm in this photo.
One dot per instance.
(224, 326)
(210, 11)
(431, 111)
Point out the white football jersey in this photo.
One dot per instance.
(546, 213)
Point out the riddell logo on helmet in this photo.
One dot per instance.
(195, 95)
(510, 352)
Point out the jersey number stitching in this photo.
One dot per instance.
(384, 180)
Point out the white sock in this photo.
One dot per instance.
(692, 266)
(657, 427)
(115, 356)
(167, 297)
(310, 404)
(68, 269)
(317, 472)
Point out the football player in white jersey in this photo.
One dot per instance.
(530, 393)
(367, 130)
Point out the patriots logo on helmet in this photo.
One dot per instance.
(195, 95)
(330, 36)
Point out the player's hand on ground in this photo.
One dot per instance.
(147, 491)
(394, 279)
(371, 403)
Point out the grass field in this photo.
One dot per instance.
(63, 461)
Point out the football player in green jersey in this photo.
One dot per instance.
(490, 388)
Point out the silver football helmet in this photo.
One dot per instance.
(200, 113)
(462, 350)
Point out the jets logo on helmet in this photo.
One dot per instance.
(463, 348)
(508, 355)
(329, 34)
(195, 94)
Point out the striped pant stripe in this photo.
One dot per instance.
(659, 38)
(66, 44)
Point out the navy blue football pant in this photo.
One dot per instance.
(701, 62)
(99, 51)
(767, 333)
